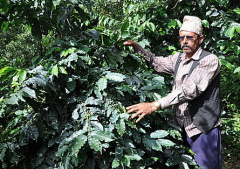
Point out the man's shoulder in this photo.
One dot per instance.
(209, 54)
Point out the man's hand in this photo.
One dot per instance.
(130, 43)
(142, 109)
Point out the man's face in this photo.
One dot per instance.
(190, 41)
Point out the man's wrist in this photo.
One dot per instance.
(157, 104)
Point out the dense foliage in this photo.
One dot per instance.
(66, 80)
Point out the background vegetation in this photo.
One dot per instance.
(65, 80)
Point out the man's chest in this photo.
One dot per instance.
(183, 71)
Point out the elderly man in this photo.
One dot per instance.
(195, 95)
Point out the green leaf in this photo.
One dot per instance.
(4, 25)
(5, 70)
(230, 32)
(165, 142)
(12, 100)
(102, 83)
(22, 76)
(75, 114)
(136, 136)
(61, 150)
(184, 165)
(98, 93)
(30, 92)
(106, 40)
(55, 70)
(205, 23)
(102, 135)
(201, 2)
(237, 10)
(115, 163)
(125, 26)
(237, 70)
(228, 65)
(144, 43)
(62, 70)
(133, 157)
(56, 2)
(120, 126)
(33, 132)
(117, 77)
(95, 144)
(68, 51)
(96, 124)
(237, 50)
(77, 143)
(172, 160)
(188, 159)
(214, 14)
(157, 145)
(172, 23)
(148, 143)
(159, 134)
(71, 84)
(151, 26)
(2, 154)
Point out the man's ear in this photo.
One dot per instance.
(201, 38)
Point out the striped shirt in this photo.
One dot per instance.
(186, 87)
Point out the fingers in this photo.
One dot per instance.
(141, 109)
(140, 118)
(128, 43)
(133, 108)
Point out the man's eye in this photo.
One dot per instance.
(181, 38)
(190, 37)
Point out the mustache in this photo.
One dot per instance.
(186, 45)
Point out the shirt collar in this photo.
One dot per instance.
(195, 56)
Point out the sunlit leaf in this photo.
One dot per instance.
(56, 2)
(237, 50)
(172, 23)
(205, 23)
(237, 70)
(117, 77)
(29, 92)
(62, 70)
(151, 26)
(237, 10)
(102, 84)
(230, 32)
(188, 159)
(165, 142)
(102, 135)
(55, 70)
(22, 75)
(115, 163)
(159, 134)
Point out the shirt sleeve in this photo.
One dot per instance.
(195, 84)
(158, 63)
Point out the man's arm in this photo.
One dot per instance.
(158, 63)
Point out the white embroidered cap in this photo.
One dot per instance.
(192, 24)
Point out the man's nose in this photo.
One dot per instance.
(185, 39)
